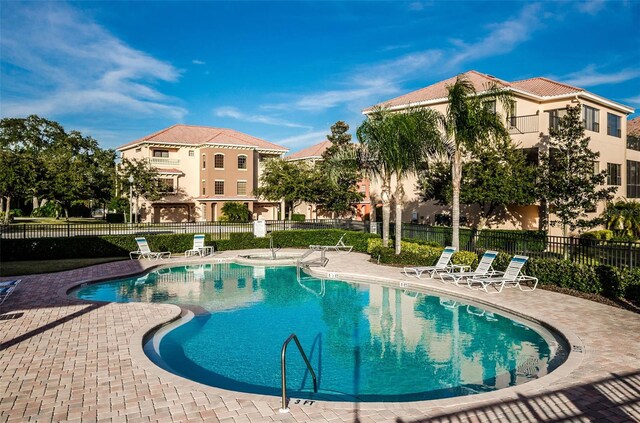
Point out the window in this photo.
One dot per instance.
(614, 128)
(218, 188)
(614, 174)
(165, 184)
(191, 153)
(204, 161)
(242, 162)
(139, 149)
(554, 117)
(513, 113)
(633, 179)
(596, 168)
(242, 187)
(218, 161)
(204, 187)
(633, 142)
(161, 153)
(490, 106)
(591, 119)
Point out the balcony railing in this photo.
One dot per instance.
(161, 161)
(522, 124)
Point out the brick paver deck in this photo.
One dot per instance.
(63, 359)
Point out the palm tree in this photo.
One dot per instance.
(471, 122)
(391, 146)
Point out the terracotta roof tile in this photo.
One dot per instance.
(439, 89)
(545, 87)
(315, 150)
(633, 127)
(190, 135)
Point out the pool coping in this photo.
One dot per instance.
(576, 352)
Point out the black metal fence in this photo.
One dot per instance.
(26, 231)
(530, 243)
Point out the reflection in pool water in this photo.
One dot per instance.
(365, 342)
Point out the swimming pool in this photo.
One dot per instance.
(365, 342)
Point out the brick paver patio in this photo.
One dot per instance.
(63, 359)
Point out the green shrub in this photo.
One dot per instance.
(298, 217)
(632, 286)
(416, 254)
(565, 274)
(50, 209)
(601, 235)
(304, 238)
(115, 218)
(233, 211)
(612, 280)
(121, 245)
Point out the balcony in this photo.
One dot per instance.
(163, 161)
(522, 124)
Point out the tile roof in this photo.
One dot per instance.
(315, 150)
(633, 127)
(545, 87)
(190, 135)
(539, 87)
(439, 89)
(167, 171)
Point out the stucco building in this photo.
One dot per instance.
(538, 104)
(200, 168)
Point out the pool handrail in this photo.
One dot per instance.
(283, 367)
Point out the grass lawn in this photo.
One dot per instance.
(30, 267)
(54, 221)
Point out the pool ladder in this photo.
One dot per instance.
(283, 367)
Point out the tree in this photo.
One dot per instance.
(145, 180)
(567, 180)
(391, 146)
(337, 194)
(234, 211)
(471, 123)
(23, 146)
(288, 181)
(493, 179)
(623, 218)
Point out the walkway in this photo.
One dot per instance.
(63, 359)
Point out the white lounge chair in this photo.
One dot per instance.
(484, 269)
(443, 265)
(338, 247)
(6, 288)
(145, 252)
(198, 247)
(511, 277)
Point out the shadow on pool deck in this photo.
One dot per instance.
(593, 402)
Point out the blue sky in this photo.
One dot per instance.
(286, 71)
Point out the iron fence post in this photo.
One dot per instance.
(24, 231)
(630, 261)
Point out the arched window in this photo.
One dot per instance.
(218, 161)
(242, 161)
(204, 161)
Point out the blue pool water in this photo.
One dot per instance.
(365, 342)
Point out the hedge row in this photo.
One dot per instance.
(416, 254)
(606, 280)
(121, 245)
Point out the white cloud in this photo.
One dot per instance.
(368, 84)
(198, 62)
(234, 113)
(591, 7)
(590, 76)
(502, 38)
(303, 140)
(634, 101)
(64, 63)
